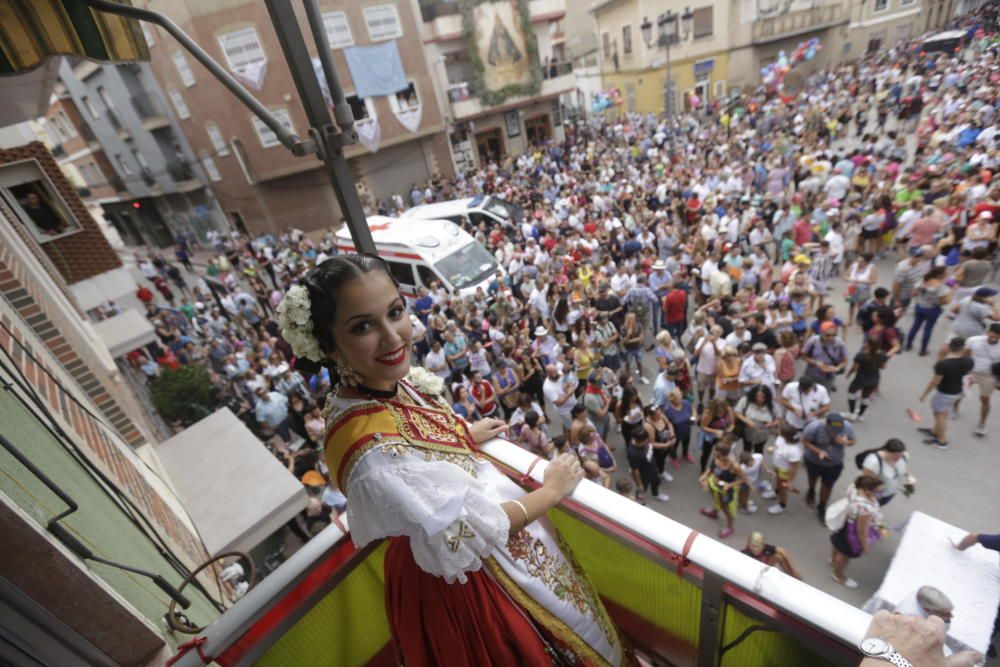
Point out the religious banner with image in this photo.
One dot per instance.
(502, 48)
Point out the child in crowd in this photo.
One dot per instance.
(786, 452)
(722, 479)
(751, 464)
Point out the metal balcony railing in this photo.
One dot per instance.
(179, 171)
(114, 119)
(117, 183)
(87, 133)
(794, 23)
(84, 192)
(58, 151)
(147, 176)
(432, 9)
(148, 106)
(679, 597)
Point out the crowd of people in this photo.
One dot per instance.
(666, 298)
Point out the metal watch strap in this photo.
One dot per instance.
(896, 658)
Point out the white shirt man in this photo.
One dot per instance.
(559, 392)
(803, 404)
(985, 352)
(758, 369)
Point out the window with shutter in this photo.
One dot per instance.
(703, 22)
(180, 105)
(383, 22)
(183, 68)
(241, 48)
(338, 31)
(213, 171)
(267, 137)
(218, 143)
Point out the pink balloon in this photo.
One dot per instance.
(695, 100)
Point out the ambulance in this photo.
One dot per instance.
(469, 212)
(421, 251)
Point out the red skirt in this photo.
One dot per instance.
(476, 623)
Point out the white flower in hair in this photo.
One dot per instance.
(295, 320)
(423, 380)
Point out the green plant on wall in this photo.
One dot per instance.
(184, 395)
(495, 97)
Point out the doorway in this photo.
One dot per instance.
(538, 129)
(489, 143)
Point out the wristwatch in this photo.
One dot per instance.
(876, 647)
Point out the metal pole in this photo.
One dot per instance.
(329, 140)
(341, 109)
(669, 97)
(289, 139)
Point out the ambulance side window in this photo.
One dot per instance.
(426, 275)
(403, 273)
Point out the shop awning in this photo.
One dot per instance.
(31, 31)
(125, 332)
(232, 487)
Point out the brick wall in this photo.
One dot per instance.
(78, 256)
(101, 445)
(63, 338)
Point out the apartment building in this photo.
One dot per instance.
(504, 74)
(699, 59)
(151, 188)
(261, 186)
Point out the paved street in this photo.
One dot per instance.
(957, 486)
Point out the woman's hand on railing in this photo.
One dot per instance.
(562, 475)
(487, 429)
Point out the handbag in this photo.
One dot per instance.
(604, 458)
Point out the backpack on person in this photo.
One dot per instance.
(859, 460)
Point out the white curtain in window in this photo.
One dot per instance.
(369, 134)
(410, 117)
(253, 74)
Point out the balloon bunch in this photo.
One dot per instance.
(773, 75)
(605, 100)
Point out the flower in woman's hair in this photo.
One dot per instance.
(295, 320)
(423, 380)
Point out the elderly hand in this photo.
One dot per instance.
(919, 640)
(487, 429)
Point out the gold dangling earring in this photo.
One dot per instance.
(348, 376)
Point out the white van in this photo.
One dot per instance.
(470, 211)
(421, 251)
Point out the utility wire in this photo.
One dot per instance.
(122, 500)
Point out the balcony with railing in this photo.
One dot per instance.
(88, 135)
(117, 124)
(150, 110)
(118, 184)
(679, 597)
(183, 176)
(466, 102)
(443, 18)
(797, 23)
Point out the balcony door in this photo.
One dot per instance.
(538, 129)
(490, 145)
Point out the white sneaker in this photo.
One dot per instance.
(752, 506)
(776, 509)
(850, 416)
(666, 476)
(768, 495)
(981, 430)
(848, 582)
(662, 497)
(860, 418)
(642, 379)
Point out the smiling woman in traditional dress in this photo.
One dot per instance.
(474, 572)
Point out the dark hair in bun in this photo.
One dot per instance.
(323, 283)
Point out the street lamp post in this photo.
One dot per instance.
(671, 29)
(668, 34)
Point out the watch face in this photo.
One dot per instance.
(875, 646)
